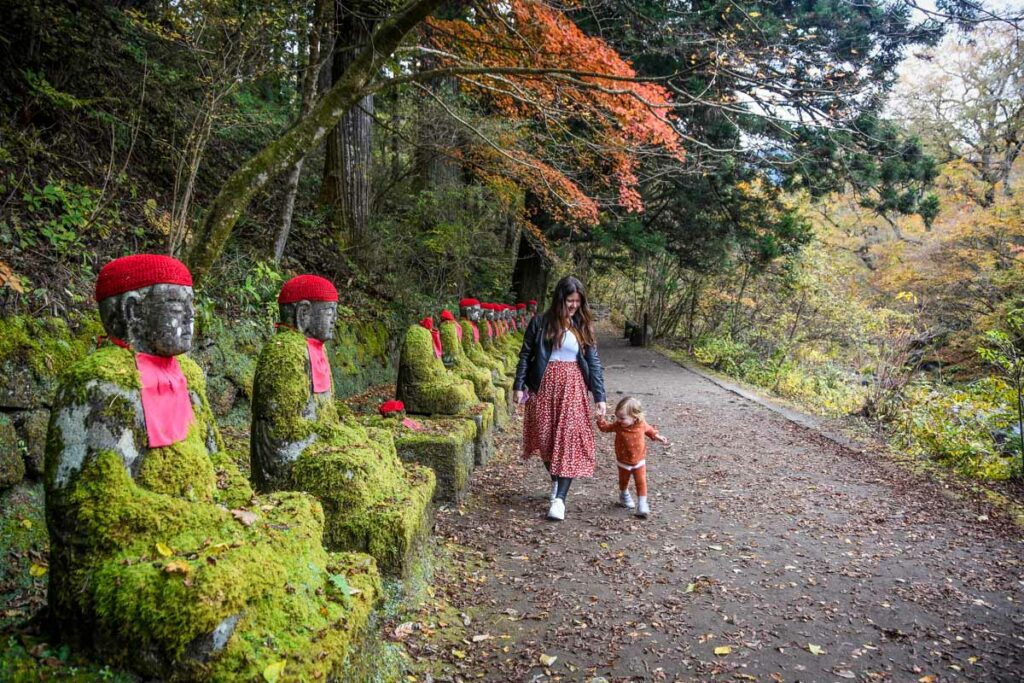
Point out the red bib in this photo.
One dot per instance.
(436, 335)
(319, 367)
(165, 401)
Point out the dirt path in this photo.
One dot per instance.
(765, 539)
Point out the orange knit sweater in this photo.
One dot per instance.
(630, 447)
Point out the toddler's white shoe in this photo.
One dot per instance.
(626, 500)
(642, 511)
(556, 512)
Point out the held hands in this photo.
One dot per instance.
(600, 409)
(517, 397)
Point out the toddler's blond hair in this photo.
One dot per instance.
(630, 406)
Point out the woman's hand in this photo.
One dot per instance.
(600, 409)
(517, 397)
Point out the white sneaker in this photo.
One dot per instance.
(554, 491)
(556, 512)
(626, 500)
(641, 507)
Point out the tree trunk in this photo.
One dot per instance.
(350, 143)
(309, 89)
(530, 275)
(283, 152)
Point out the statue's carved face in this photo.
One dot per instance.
(316, 319)
(532, 308)
(472, 312)
(489, 313)
(159, 320)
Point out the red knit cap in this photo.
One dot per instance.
(447, 315)
(391, 407)
(307, 288)
(129, 273)
(466, 303)
(532, 302)
(427, 322)
(520, 307)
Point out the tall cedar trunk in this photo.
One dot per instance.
(530, 275)
(437, 137)
(308, 90)
(349, 144)
(281, 154)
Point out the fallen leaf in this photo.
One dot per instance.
(690, 587)
(37, 570)
(814, 649)
(164, 550)
(482, 637)
(547, 660)
(722, 650)
(27, 523)
(930, 678)
(845, 673)
(715, 547)
(273, 671)
(404, 630)
(177, 567)
(244, 516)
(458, 654)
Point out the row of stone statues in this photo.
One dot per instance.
(163, 556)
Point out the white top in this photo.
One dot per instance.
(570, 347)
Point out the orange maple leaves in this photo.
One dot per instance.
(582, 104)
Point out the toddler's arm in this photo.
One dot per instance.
(604, 425)
(652, 433)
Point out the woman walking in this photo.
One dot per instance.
(559, 364)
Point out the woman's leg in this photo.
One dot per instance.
(563, 487)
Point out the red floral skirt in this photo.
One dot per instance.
(557, 424)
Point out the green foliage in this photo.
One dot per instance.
(58, 212)
(958, 425)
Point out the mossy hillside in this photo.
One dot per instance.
(142, 604)
(462, 366)
(360, 354)
(33, 353)
(227, 351)
(424, 384)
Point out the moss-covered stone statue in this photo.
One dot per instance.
(161, 559)
(425, 386)
(372, 501)
(462, 366)
(470, 314)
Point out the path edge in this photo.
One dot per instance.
(1014, 511)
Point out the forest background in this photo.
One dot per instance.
(818, 198)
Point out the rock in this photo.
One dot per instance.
(33, 425)
(12, 467)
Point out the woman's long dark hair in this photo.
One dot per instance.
(582, 322)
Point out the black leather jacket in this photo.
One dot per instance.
(533, 361)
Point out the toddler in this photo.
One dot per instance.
(630, 450)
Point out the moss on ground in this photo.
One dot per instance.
(145, 569)
(446, 446)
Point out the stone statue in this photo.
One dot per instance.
(306, 323)
(471, 314)
(424, 384)
(372, 501)
(161, 559)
